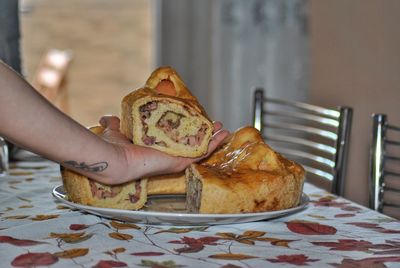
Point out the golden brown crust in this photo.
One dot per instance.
(80, 189)
(176, 100)
(168, 73)
(167, 184)
(246, 175)
(76, 186)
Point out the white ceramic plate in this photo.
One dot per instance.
(170, 210)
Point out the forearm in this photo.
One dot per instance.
(30, 121)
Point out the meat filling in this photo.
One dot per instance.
(194, 140)
(101, 192)
(169, 123)
(135, 197)
(193, 196)
(145, 112)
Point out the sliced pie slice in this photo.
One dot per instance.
(164, 115)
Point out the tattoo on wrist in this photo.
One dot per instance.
(96, 167)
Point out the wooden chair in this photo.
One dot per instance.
(314, 136)
(51, 75)
(384, 167)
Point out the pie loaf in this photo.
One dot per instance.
(244, 176)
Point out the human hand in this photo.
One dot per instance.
(143, 161)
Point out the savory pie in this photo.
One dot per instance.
(244, 176)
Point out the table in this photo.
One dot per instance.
(36, 230)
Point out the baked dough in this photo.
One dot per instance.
(167, 184)
(164, 115)
(244, 176)
(81, 189)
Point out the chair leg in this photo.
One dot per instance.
(342, 147)
(377, 162)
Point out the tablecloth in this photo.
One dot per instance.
(36, 230)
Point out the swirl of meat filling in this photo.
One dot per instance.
(169, 123)
(101, 191)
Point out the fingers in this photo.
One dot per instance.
(110, 121)
(216, 140)
(217, 126)
(111, 133)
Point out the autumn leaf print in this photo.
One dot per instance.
(71, 237)
(18, 242)
(193, 245)
(352, 245)
(72, 253)
(175, 230)
(376, 262)
(120, 236)
(248, 237)
(110, 264)
(34, 259)
(26, 206)
(78, 227)
(115, 251)
(147, 253)
(164, 264)
(299, 259)
(20, 173)
(310, 228)
(120, 225)
(16, 217)
(231, 256)
(375, 227)
(118, 250)
(319, 217)
(329, 201)
(229, 265)
(345, 215)
(44, 217)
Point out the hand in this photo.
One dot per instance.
(147, 161)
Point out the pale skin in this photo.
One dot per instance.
(31, 122)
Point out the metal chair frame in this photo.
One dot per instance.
(332, 124)
(379, 158)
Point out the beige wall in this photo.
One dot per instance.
(355, 61)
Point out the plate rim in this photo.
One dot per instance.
(304, 202)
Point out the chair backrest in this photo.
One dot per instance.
(384, 168)
(50, 77)
(314, 136)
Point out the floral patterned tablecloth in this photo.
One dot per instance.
(36, 230)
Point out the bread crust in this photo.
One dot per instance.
(167, 184)
(244, 176)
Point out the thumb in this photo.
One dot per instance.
(110, 121)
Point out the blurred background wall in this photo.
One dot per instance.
(355, 61)
(111, 42)
(224, 49)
